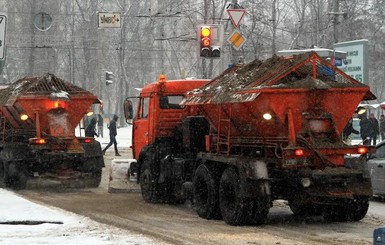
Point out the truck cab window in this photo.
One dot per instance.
(171, 102)
(143, 110)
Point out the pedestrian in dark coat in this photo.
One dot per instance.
(90, 130)
(348, 130)
(113, 133)
(365, 129)
(375, 129)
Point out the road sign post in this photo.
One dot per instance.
(236, 39)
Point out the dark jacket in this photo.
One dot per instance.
(375, 127)
(365, 128)
(90, 130)
(112, 126)
(348, 130)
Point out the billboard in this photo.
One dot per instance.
(3, 25)
(356, 62)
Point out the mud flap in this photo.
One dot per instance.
(257, 171)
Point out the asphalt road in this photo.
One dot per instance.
(181, 225)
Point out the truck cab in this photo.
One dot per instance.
(159, 112)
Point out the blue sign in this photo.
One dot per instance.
(338, 62)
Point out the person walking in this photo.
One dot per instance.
(375, 129)
(90, 130)
(100, 125)
(365, 129)
(113, 133)
(382, 127)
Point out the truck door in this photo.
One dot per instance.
(141, 127)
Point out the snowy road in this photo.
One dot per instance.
(118, 213)
(181, 225)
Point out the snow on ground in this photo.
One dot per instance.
(24, 221)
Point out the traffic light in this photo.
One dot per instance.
(109, 76)
(210, 37)
(205, 35)
(215, 51)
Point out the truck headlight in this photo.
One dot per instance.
(305, 182)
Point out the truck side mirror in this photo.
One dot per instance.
(128, 110)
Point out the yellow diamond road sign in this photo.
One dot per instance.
(236, 39)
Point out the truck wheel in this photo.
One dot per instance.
(359, 208)
(147, 180)
(13, 177)
(96, 177)
(205, 192)
(260, 210)
(236, 209)
(351, 210)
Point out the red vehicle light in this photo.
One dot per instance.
(298, 152)
(88, 140)
(37, 141)
(362, 150)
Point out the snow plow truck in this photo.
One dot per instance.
(38, 117)
(259, 132)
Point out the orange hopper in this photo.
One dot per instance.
(54, 107)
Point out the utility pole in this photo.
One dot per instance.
(274, 20)
(336, 7)
(336, 13)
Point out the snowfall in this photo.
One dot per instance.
(24, 221)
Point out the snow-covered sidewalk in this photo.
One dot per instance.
(25, 222)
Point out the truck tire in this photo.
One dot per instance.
(14, 178)
(237, 209)
(205, 193)
(351, 210)
(148, 181)
(92, 166)
(96, 178)
(359, 208)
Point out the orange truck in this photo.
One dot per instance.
(258, 132)
(38, 117)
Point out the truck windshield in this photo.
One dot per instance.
(171, 102)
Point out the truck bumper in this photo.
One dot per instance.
(331, 185)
